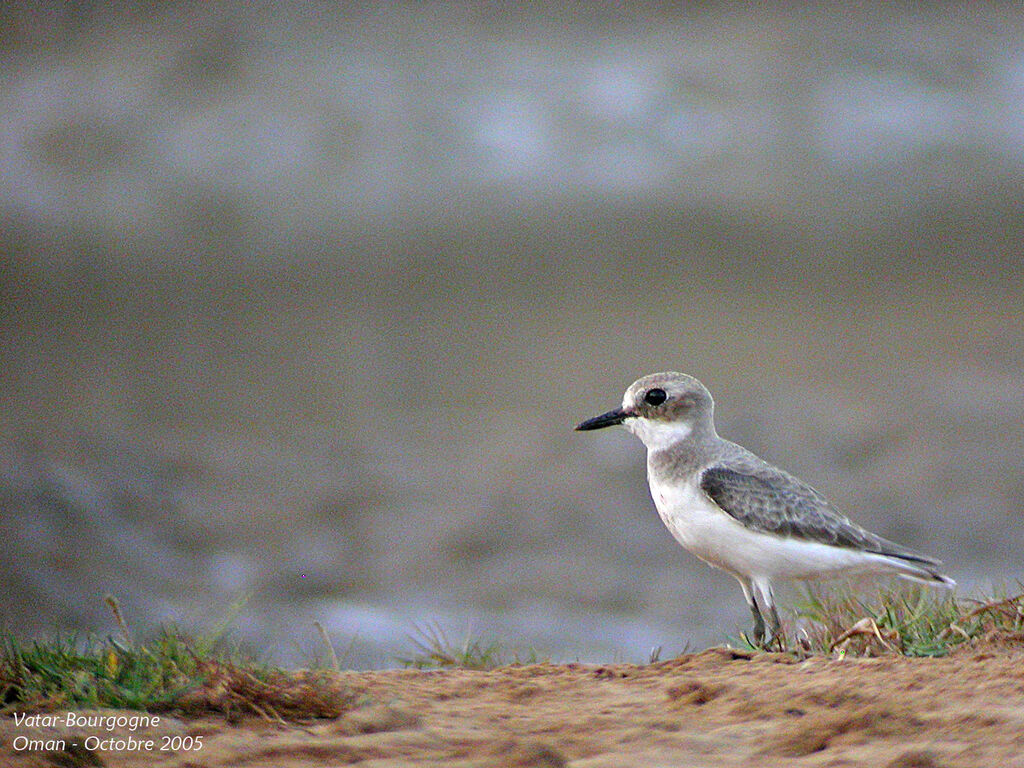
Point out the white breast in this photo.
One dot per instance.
(719, 540)
(692, 518)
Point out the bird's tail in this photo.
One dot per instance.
(923, 573)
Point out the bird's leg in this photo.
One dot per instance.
(775, 636)
(758, 632)
(757, 635)
(775, 625)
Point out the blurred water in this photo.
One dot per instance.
(298, 307)
(254, 122)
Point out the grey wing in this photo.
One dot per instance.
(772, 501)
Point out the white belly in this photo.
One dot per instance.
(719, 540)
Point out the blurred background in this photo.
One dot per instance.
(300, 303)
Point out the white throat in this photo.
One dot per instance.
(658, 435)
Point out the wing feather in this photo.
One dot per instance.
(772, 501)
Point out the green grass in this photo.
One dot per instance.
(831, 620)
(910, 621)
(170, 671)
(70, 671)
(173, 671)
(433, 650)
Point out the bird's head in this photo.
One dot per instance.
(661, 409)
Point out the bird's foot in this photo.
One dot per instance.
(762, 641)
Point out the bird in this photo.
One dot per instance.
(737, 512)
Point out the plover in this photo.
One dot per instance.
(739, 513)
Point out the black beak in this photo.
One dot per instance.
(609, 419)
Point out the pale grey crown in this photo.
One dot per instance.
(685, 399)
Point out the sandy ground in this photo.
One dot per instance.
(715, 708)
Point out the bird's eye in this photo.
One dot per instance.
(655, 396)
